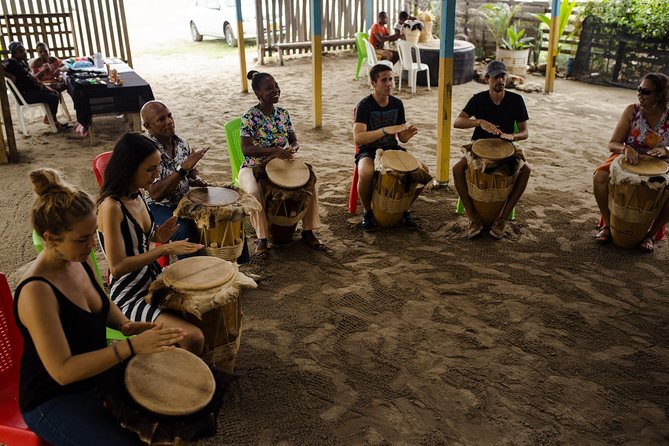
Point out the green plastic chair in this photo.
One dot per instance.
(112, 335)
(362, 51)
(232, 135)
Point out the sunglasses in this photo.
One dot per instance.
(645, 91)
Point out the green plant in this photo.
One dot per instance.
(648, 19)
(498, 17)
(514, 39)
(565, 12)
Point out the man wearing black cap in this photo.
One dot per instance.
(494, 113)
(33, 91)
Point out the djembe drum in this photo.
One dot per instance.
(397, 183)
(165, 397)
(287, 188)
(490, 175)
(206, 290)
(637, 194)
(218, 213)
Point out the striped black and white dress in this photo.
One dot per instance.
(129, 290)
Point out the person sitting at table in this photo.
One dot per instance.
(177, 169)
(378, 35)
(643, 129)
(33, 91)
(62, 313)
(125, 229)
(379, 124)
(48, 69)
(267, 132)
(402, 17)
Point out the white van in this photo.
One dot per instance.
(218, 18)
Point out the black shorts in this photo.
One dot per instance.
(371, 153)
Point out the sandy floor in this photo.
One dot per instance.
(418, 338)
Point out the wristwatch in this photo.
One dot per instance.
(181, 171)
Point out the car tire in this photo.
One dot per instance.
(229, 35)
(195, 35)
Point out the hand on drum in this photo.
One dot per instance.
(293, 148)
(279, 152)
(165, 231)
(130, 328)
(180, 247)
(394, 129)
(631, 155)
(408, 133)
(659, 152)
(490, 127)
(197, 182)
(157, 339)
(192, 159)
(506, 137)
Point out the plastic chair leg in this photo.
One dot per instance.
(357, 69)
(460, 210)
(353, 193)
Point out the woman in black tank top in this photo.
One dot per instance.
(62, 311)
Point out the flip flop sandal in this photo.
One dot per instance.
(647, 245)
(604, 235)
(262, 250)
(312, 242)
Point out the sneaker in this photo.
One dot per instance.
(497, 229)
(408, 221)
(368, 223)
(475, 227)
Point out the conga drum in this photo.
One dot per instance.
(397, 183)
(637, 194)
(165, 397)
(218, 213)
(287, 187)
(490, 176)
(207, 291)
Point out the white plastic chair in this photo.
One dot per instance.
(371, 57)
(22, 104)
(411, 67)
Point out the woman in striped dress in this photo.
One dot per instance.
(125, 229)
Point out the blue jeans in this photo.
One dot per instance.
(186, 229)
(78, 419)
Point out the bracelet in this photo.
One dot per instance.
(383, 130)
(132, 350)
(118, 355)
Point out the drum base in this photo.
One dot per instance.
(281, 235)
(222, 329)
(488, 212)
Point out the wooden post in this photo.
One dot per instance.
(446, 36)
(553, 39)
(11, 155)
(316, 63)
(240, 46)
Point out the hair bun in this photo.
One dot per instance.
(46, 181)
(251, 73)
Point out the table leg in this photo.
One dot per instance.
(136, 122)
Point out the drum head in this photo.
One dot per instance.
(173, 382)
(213, 196)
(290, 174)
(493, 148)
(647, 166)
(198, 273)
(399, 160)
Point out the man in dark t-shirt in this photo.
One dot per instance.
(494, 113)
(379, 123)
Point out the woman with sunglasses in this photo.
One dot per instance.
(643, 129)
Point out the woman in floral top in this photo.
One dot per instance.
(643, 129)
(267, 132)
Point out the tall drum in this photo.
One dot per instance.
(207, 289)
(287, 187)
(491, 173)
(218, 213)
(637, 194)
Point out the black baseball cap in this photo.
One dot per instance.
(495, 68)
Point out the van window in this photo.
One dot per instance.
(201, 3)
(214, 4)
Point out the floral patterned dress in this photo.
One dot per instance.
(267, 131)
(642, 136)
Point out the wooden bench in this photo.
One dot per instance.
(281, 47)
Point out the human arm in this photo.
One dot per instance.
(522, 134)
(408, 133)
(251, 137)
(164, 186)
(117, 320)
(381, 36)
(110, 217)
(363, 136)
(38, 311)
(464, 121)
(617, 142)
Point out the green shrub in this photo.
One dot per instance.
(648, 19)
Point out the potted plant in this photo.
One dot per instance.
(513, 47)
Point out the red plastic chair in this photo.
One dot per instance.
(659, 236)
(13, 430)
(99, 166)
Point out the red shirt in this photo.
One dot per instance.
(377, 28)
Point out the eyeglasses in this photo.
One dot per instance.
(645, 91)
